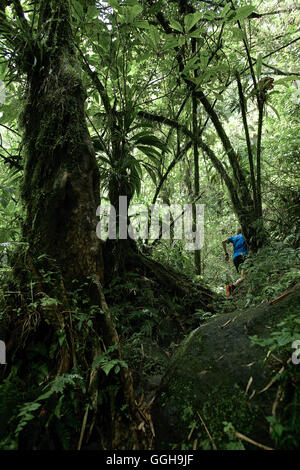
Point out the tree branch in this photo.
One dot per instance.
(170, 168)
(238, 174)
(247, 135)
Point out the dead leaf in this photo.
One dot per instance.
(271, 381)
(249, 384)
(225, 324)
(250, 364)
(191, 432)
(202, 372)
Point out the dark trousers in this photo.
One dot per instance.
(238, 260)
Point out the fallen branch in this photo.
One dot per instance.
(225, 324)
(281, 297)
(208, 433)
(249, 385)
(277, 400)
(272, 381)
(247, 439)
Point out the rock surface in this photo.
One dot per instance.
(206, 381)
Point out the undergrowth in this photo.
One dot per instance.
(283, 344)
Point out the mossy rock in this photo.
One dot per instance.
(206, 381)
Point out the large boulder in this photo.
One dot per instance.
(217, 376)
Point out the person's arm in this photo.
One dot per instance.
(224, 243)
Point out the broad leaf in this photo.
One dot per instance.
(191, 19)
(176, 25)
(258, 65)
(243, 12)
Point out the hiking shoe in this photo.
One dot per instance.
(229, 289)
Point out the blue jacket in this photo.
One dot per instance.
(239, 245)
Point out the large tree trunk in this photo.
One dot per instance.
(61, 181)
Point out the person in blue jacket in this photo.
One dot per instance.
(240, 252)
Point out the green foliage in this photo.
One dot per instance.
(127, 165)
(271, 271)
(285, 430)
(285, 426)
(106, 363)
(282, 338)
(135, 58)
(20, 418)
(234, 443)
(171, 253)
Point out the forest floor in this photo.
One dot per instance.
(153, 322)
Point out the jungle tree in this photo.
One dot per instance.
(60, 194)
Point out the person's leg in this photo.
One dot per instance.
(237, 262)
(241, 279)
(243, 272)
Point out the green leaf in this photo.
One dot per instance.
(151, 140)
(4, 202)
(285, 81)
(191, 19)
(108, 367)
(48, 301)
(142, 24)
(92, 13)
(192, 64)
(258, 65)
(243, 12)
(104, 159)
(132, 12)
(78, 9)
(275, 110)
(176, 25)
(197, 33)
(137, 167)
(153, 36)
(149, 151)
(59, 384)
(135, 180)
(150, 171)
(238, 33)
(171, 42)
(226, 9)
(45, 395)
(210, 15)
(29, 407)
(113, 3)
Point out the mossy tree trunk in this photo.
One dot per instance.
(61, 180)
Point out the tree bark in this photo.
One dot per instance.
(61, 180)
(197, 254)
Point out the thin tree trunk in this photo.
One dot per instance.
(258, 156)
(248, 141)
(197, 253)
